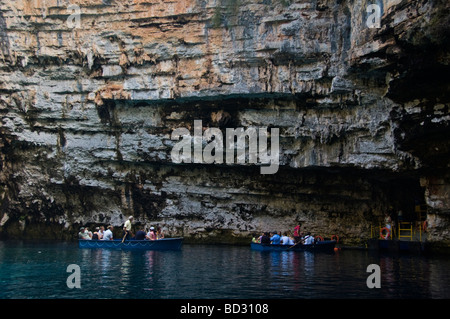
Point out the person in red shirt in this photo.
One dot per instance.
(297, 236)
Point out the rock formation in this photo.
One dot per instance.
(90, 92)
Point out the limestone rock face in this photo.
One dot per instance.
(91, 92)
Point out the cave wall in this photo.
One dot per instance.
(88, 110)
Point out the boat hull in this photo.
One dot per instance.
(161, 244)
(327, 246)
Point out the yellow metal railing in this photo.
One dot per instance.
(405, 228)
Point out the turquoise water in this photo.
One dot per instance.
(39, 270)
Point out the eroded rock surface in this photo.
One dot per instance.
(92, 90)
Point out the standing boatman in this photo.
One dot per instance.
(127, 229)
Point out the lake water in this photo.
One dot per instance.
(39, 270)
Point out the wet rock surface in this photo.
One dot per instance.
(87, 113)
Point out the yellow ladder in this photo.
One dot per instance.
(405, 227)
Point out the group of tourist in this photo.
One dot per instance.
(101, 234)
(277, 238)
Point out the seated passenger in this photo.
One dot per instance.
(98, 234)
(88, 232)
(265, 239)
(101, 232)
(275, 239)
(108, 235)
(159, 233)
(285, 240)
(95, 235)
(257, 239)
(291, 240)
(308, 239)
(151, 235)
(84, 234)
(140, 234)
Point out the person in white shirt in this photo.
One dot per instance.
(108, 235)
(309, 240)
(84, 234)
(284, 239)
(127, 228)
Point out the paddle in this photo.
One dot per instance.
(123, 239)
(295, 245)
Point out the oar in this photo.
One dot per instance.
(123, 239)
(295, 245)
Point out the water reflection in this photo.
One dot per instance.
(39, 271)
(149, 280)
(125, 271)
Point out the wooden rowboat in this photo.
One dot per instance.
(160, 244)
(326, 245)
